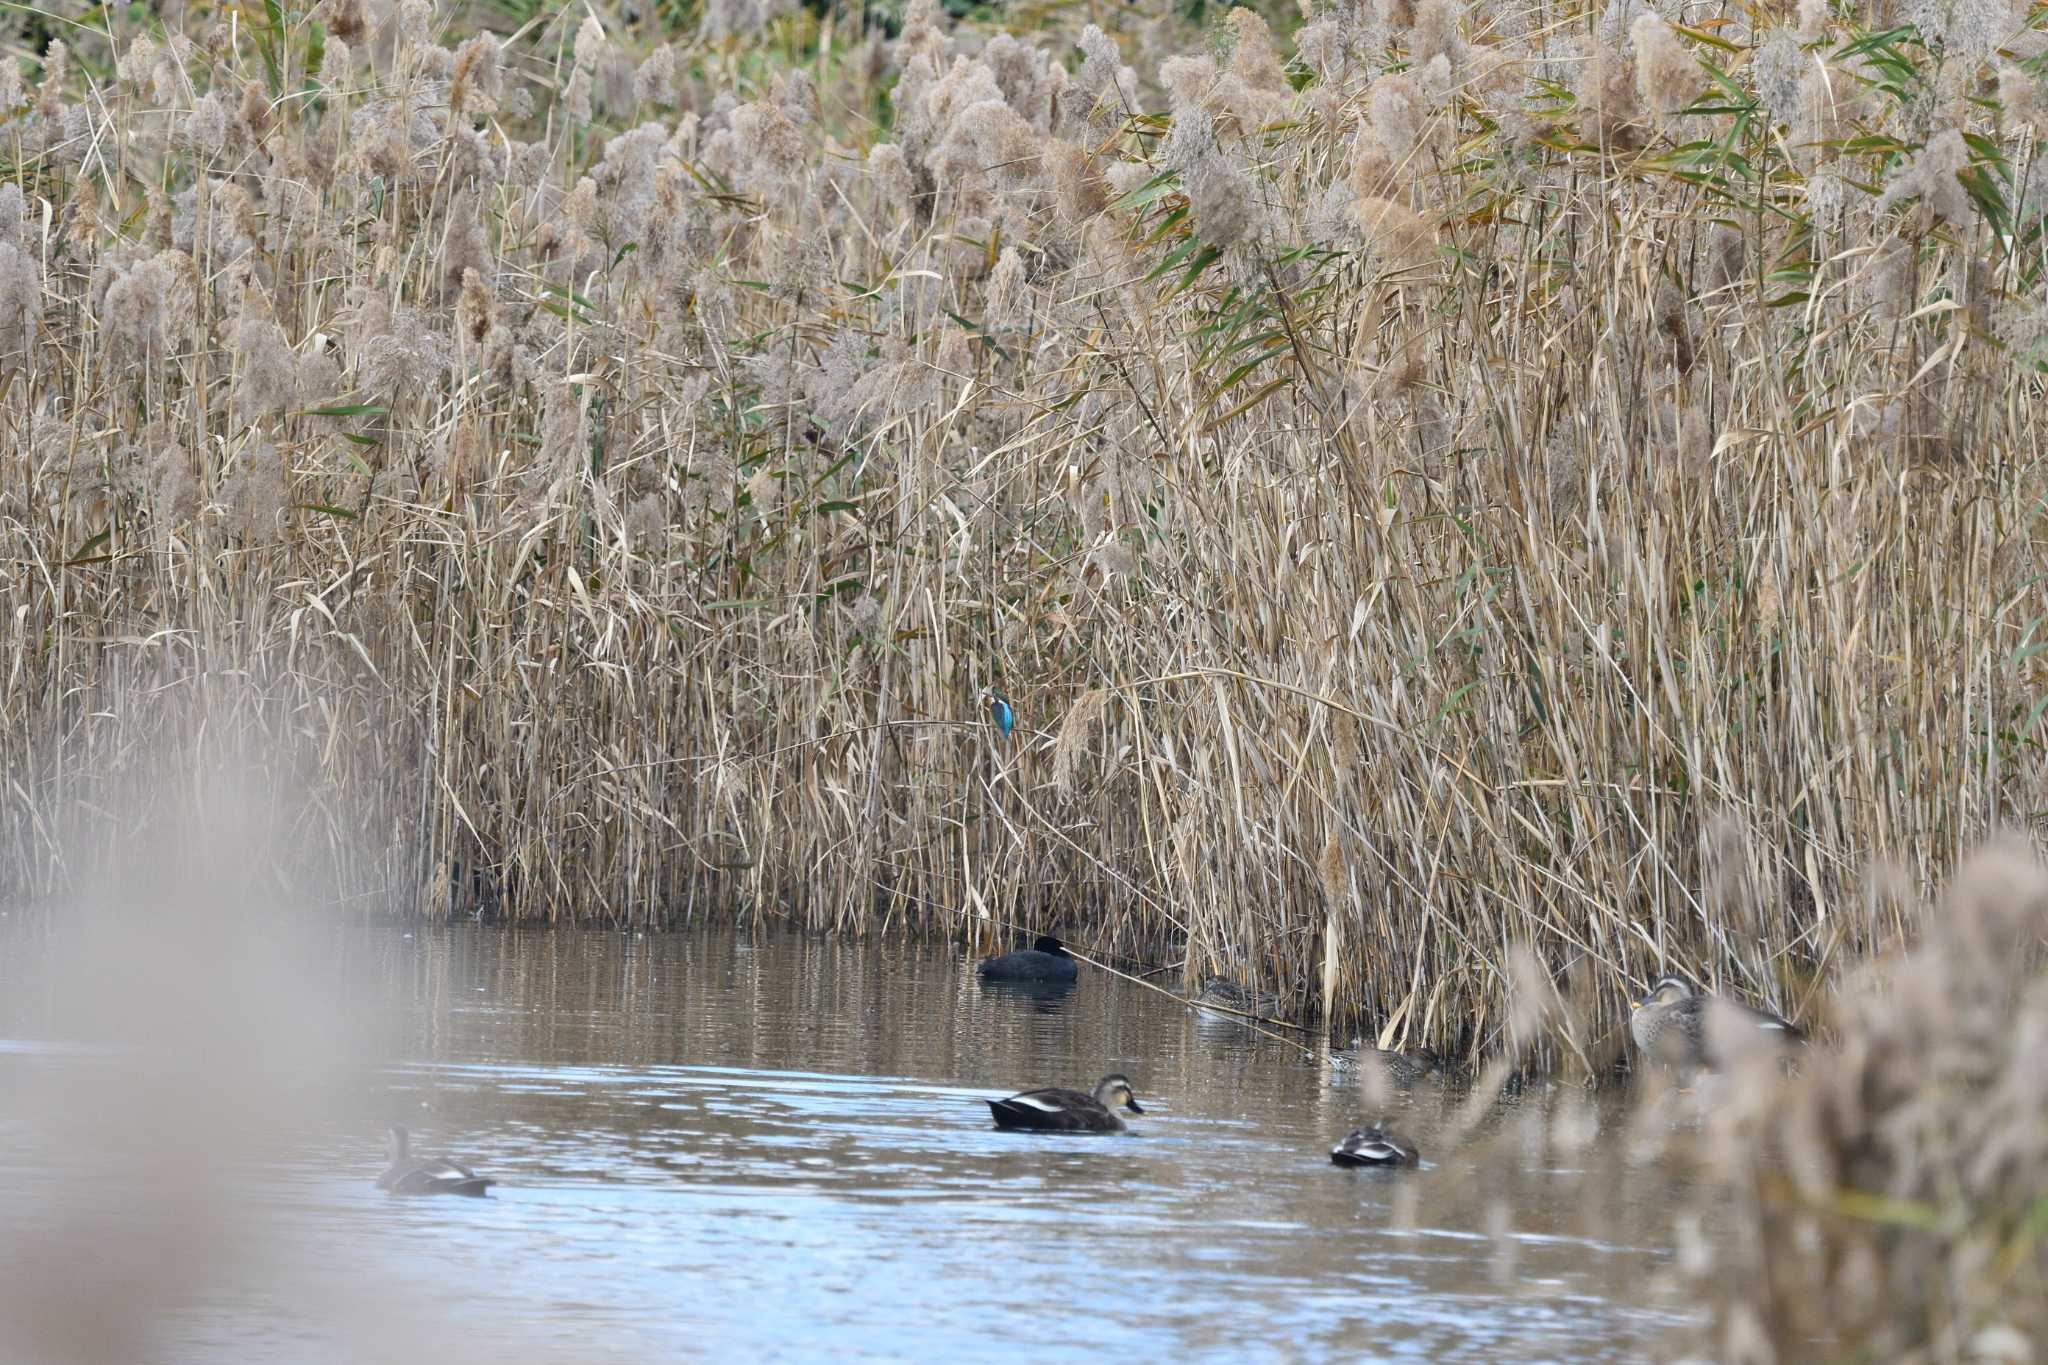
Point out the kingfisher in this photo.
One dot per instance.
(999, 710)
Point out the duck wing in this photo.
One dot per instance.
(1778, 1027)
(1369, 1147)
(1741, 1030)
(1022, 965)
(1051, 1108)
(1029, 964)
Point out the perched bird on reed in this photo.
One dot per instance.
(1375, 1146)
(1670, 1025)
(1045, 960)
(999, 710)
(1068, 1111)
(409, 1174)
(1225, 994)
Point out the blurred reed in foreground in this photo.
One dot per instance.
(188, 1038)
(1878, 1195)
(1887, 1202)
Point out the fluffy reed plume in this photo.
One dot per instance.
(1886, 1198)
(1667, 78)
(1442, 449)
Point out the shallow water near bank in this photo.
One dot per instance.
(775, 1146)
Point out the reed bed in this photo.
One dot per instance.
(1443, 486)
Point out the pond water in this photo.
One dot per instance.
(774, 1147)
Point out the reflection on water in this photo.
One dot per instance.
(777, 1147)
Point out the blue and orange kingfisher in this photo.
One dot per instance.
(999, 710)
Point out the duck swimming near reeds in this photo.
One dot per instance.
(1670, 1025)
(1045, 960)
(1068, 1111)
(1220, 992)
(409, 1174)
(1375, 1146)
(1403, 1066)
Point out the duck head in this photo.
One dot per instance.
(1665, 990)
(1114, 1092)
(1050, 946)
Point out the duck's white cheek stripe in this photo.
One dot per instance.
(1033, 1102)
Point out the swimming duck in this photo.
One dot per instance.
(1404, 1067)
(1044, 960)
(410, 1174)
(1375, 1146)
(1068, 1111)
(1669, 1024)
(1223, 993)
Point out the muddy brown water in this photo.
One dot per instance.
(772, 1146)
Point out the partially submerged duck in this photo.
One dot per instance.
(409, 1174)
(1045, 960)
(1068, 1111)
(1669, 1025)
(1404, 1067)
(1375, 1146)
(1222, 993)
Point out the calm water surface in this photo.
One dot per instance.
(774, 1148)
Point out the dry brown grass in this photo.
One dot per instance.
(1522, 525)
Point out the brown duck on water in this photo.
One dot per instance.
(1068, 1111)
(1220, 992)
(1669, 1025)
(1403, 1066)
